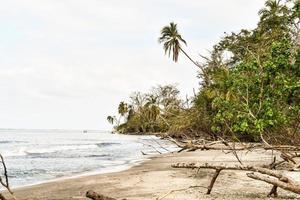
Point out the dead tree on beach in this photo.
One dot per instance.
(4, 180)
(267, 173)
(273, 177)
(95, 196)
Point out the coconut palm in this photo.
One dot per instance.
(123, 108)
(275, 14)
(275, 20)
(172, 41)
(272, 7)
(111, 119)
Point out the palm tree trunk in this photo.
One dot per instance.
(199, 66)
(195, 63)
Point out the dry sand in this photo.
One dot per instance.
(155, 178)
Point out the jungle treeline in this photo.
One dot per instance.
(249, 85)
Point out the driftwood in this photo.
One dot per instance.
(273, 177)
(178, 190)
(213, 180)
(4, 182)
(262, 172)
(283, 183)
(273, 192)
(95, 196)
(210, 145)
(193, 145)
(2, 197)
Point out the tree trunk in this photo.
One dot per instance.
(2, 197)
(195, 63)
(213, 180)
(282, 184)
(95, 196)
(273, 177)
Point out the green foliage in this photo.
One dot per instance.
(259, 93)
(171, 39)
(250, 85)
(150, 112)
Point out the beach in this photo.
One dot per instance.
(150, 100)
(155, 178)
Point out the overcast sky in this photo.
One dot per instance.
(67, 63)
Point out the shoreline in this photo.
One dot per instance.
(86, 174)
(154, 178)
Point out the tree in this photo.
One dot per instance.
(123, 108)
(172, 40)
(111, 119)
(151, 111)
(250, 84)
(263, 78)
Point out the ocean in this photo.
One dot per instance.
(36, 156)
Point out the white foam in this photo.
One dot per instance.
(59, 148)
(23, 151)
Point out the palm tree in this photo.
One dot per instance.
(172, 40)
(272, 7)
(276, 19)
(123, 108)
(111, 119)
(275, 14)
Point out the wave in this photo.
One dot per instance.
(5, 142)
(98, 156)
(59, 149)
(34, 151)
(14, 153)
(46, 150)
(106, 144)
(11, 141)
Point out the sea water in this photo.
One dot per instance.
(34, 156)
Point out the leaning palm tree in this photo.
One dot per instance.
(172, 40)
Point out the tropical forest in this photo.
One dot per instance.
(249, 86)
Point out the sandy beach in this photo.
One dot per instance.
(155, 178)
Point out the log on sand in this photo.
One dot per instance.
(2, 197)
(95, 196)
(273, 177)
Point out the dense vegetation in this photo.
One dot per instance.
(249, 85)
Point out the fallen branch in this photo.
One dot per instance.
(273, 192)
(213, 180)
(293, 187)
(258, 173)
(95, 196)
(192, 146)
(5, 182)
(178, 190)
(153, 147)
(283, 148)
(159, 144)
(2, 197)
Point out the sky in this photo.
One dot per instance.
(67, 64)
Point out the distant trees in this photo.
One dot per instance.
(123, 108)
(111, 119)
(150, 112)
